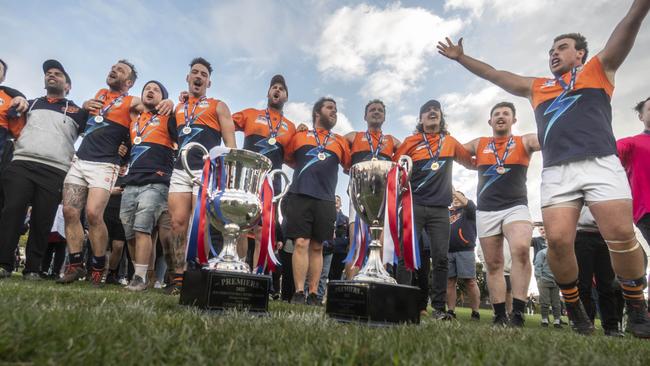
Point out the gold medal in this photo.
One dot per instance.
(435, 166)
(501, 170)
(137, 140)
(99, 119)
(187, 130)
(272, 141)
(322, 156)
(373, 159)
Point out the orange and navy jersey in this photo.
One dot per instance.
(576, 124)
(312, 176)
(102, 139)
(257, 133)
(361, 147)
(432, 187)
(152, 160)
(205, 128)
(501, 191)
(6, 95)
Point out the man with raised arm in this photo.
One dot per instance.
(574, 123)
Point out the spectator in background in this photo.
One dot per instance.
(549, 292)
(462, 260)
(341, 242)
(329, 247)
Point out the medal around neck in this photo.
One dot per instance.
(322, 156)
(137, 140)
(435, 166)
(99, 119)
(272, 141)
(186, 130)
(501, 170)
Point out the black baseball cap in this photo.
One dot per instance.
(54, 64)
(279, 79)
(431, 103)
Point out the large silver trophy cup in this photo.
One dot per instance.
(373, 296)
(368, 181)
(233, 206)
(238, 207)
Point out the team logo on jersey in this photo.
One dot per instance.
(548, 83)
(488, 149)
(204, 104)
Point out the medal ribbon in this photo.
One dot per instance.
(273, 131)
(501, 161)
(373, 152)
(138, 130)
(190, 119)
(569, 87)
(321, 147)
(105, 110)
(441, 141)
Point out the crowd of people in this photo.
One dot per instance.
(123, 185)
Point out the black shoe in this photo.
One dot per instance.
(517, 320)
(298, 298)
(614, 333)
(500, 321)
(580, 322)
(312, 300)
(557, 324)
(4, 273)
(638, 322)
(452, 314)
(112, 278)
(32, 276)
(440, 314)
(476, 316)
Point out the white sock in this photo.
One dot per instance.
(141, 270)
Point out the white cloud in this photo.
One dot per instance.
(409, 122)
(501, 8)
(388, 48)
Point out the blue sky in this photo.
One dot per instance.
(353, 51)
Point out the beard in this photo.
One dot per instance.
(55, 89)
(277, 106)
(325, 121)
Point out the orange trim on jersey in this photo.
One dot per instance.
(253, 122)
(120, 112)
(517, 155)
(460, 235)
(205, 113)
(360, 143)
(591, 76)
(336, 144)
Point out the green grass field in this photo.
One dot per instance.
(44, 323)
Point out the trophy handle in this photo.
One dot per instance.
(185, 150)
(406, 162)
(272, 174)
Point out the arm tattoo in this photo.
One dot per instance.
(74, 196)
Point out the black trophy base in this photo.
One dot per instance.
(220, 290)
(372, 303)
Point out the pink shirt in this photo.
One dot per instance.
(634, 152)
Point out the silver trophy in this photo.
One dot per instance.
(238, 207)
(367, 189)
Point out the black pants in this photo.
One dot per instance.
(435, 221)
(421, 277)
(337, 267)
(644, 226)
(53, 258)
(21, 191)
(594, 263)
(288, 287)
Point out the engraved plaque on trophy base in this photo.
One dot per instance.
(221, 290)
(372, 302)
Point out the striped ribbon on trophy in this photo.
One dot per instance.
(357, 253)
(196, 241)
(267, 258)
(398, 186)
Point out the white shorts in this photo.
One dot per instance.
(490, 223)
(92, 174)
(180, 182)
(589, 180)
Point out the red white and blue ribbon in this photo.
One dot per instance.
(357, 253)
(397, 178)
(267, 259)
